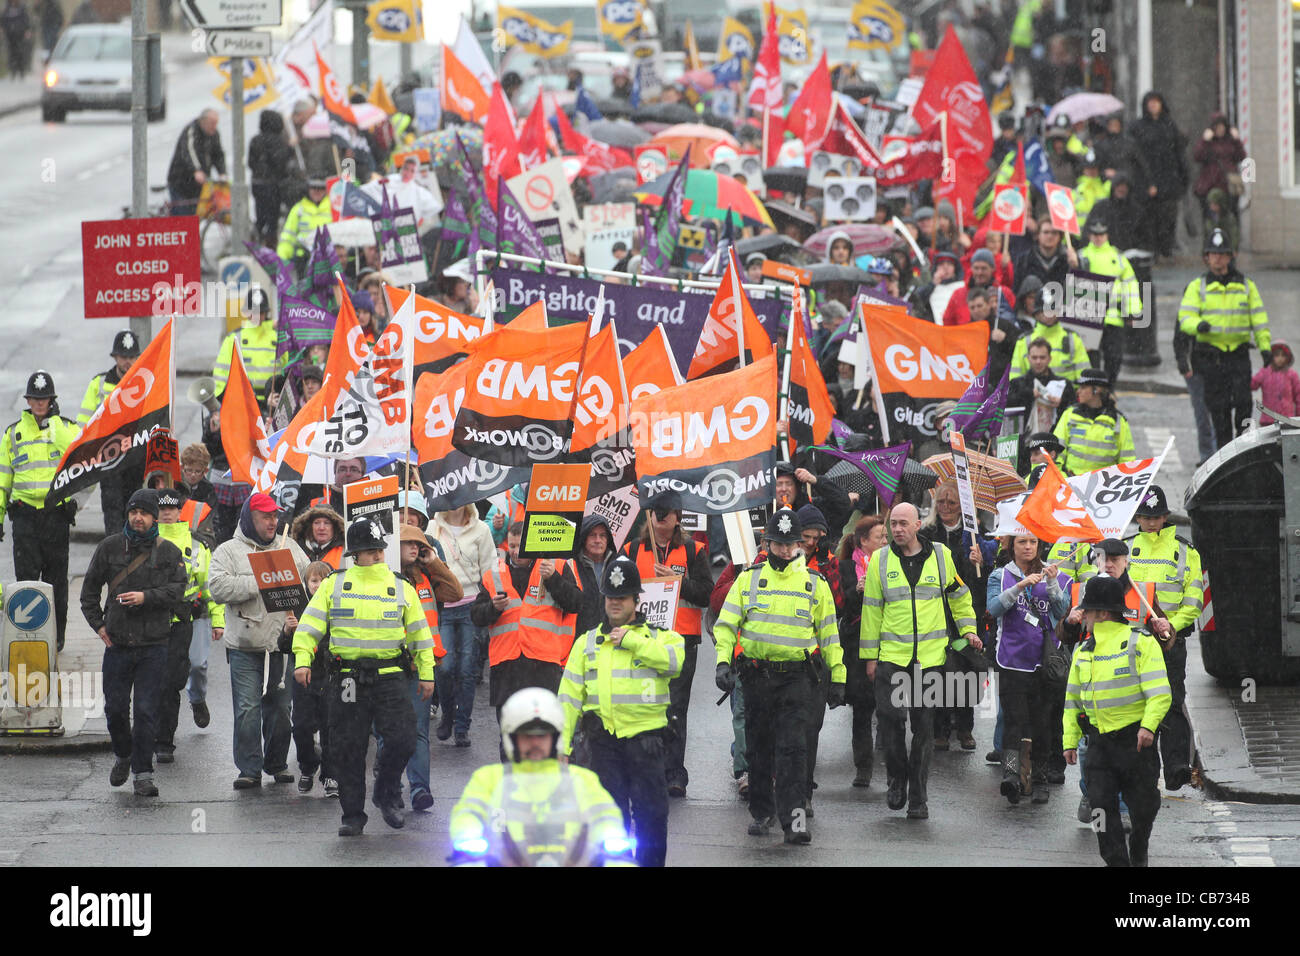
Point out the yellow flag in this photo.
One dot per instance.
(379, 97)
(400, 21)
(875, 25)
(735, 40)
(691, 47)
(619, 19)
(518, 27)
(259, 83)
(793, 37)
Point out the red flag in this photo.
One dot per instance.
(813, 110)
(765, 87)
(1060, 204)
(906, 159)
(598, 156)
(651, 366)
(718, 347)
(461, 91)
(773, 136)
(958, 183)
(952, 87)
(500, 147)
(333, 97)
(1053, 511)
(534, 147)
(1018, 172)
(846, 139)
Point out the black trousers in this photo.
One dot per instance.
(1026, 713)
(115, 488)
(1175, 734)
(353, 708)
(950, 717)
(41, 554)
(1112, 350)
(1227, 389)
(133, 672)
(175, 676)
(776, 740)
(266, 198)
(509, 676)
(897, 689)
(679, 701)
(1116, 766)
(816, 717)
(632, 770)
(860, 694)
(1055, 718)
(1161, 219)
(309, 718)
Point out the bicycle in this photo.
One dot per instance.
(215, 234)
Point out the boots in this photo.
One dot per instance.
(1010, 787)
(1041, 793)
(1026, 764)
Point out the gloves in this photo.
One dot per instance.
(1266, 355)
(2, 529)
(724, 678)
(1202, 326)
(836, 696)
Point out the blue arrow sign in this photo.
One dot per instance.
(28, 609)
(236, 272)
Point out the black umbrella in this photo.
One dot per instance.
(916, 480)
(618, 133)
(773, 245)
(786, 179)
(613, 107)
(825, 272)
(671, 113)
(618, 185)
(783, 214)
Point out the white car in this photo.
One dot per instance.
(90, 69)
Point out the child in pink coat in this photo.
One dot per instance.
(1280, 384)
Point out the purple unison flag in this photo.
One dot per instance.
(986, 421)
(884, 466)
(652, 263)
(668, 220)
(477, 207)
(516, 233)
(274, 267)
(970, 408)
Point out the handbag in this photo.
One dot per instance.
(1056, 660)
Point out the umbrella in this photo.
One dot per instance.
(699, 79)
(618, 185)
(618, 133)
(664, 113)
(783, 213)
(613, 107)
(824, 272)
(1084, 106)
(710, 196)
(442, 143)
(696, 137)
(992, 479)
(866, 237)
(916, 480)
(771, 245)
(786, 179)
(316, 127)
(368, 115)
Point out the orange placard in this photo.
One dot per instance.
(784, 272)
(163, 454)
(558, 488)
(420, 154)
(371, 496)
(278, 581)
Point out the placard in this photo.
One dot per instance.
(163, 454)
(961, 465)
(619, 509)
(377, 498)
(1008, 449)
(557, 497)
(278, 581)
(544, 193)
(658, 601)
(123, 259)
(784, 272)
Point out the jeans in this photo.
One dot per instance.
(200, 645)
(139, 669)
(1205, 444)
(262, 722)
(739, 764)
(417, 768)
(183, 205)
(458, 671)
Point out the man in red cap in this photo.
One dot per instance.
(261, 701)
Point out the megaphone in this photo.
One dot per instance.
(204, 392)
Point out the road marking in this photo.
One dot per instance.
(1243, 850)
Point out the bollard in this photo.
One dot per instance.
(1141, 347)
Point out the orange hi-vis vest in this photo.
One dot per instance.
(334, 557)
(531, 626)
(1134, 613)
(514, 512)
(687, 620)
(194, 513)
(429, 604)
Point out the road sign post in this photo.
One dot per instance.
(29, 695)
(238, 43)
(232, 14)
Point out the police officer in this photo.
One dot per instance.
(1222, 310)
(1158, 555)
(1116, 695)
(779, 611)
(904, 641)
(257, 345)
(514, 812)
(29, 454)
(1094, 432)
(116, 485)
(307, 215)
(377, 634)
(1123, 297)
(1041, 447)
(617, 680)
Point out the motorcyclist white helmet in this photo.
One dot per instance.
(531, 710)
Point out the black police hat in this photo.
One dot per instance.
(1094, 376)
(1044, 440)
(1154, 505)
(783, 527)
(366, 534)
(174, 497)
(1097, 226)
(622, 579)
(126, 344)
(1103, 593)
(40, 385)
(1216, 240)
(1111, 546)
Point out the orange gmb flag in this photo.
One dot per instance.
(713, 441)
(1054, 512)
(442, 336)
(808, 404)
(531, 319)
(718, 349)
(462, 93)
(600, 416)
(117, 435)
(243, 434)
(651, 366)
(519, 395)
(333, 97)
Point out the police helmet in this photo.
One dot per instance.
(783, 527)
(1154, 504)
(40, 385)
(621, 579)
(366, 534)
(1216, 240)
(1103, 593)
(532, 710)
(258, 302)
(126, 344)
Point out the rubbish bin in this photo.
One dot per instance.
(1244, 506)
(1140, 345)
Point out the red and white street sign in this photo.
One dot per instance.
(123, 259)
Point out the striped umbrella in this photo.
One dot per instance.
(710, 195)
(992, 479)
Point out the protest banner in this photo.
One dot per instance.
(618, 509)
(544, 193)
(398, 238)
(278, 582)
(658, 600)
(163, 454)
(375, 498)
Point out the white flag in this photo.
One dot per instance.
(1113, 493)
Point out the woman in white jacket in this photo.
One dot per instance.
(467, 542)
